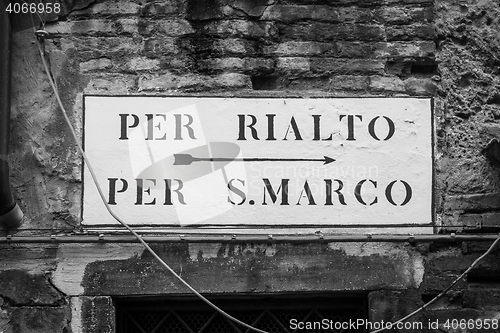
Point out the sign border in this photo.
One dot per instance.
(240, 227)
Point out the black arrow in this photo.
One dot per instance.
(187, 159)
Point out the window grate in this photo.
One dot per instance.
(278, 314)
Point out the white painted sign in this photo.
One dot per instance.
(352, 163)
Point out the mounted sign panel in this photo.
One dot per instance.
(351, 163)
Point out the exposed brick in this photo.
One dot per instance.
(355, 49)
(129, 25)
(159, 9)
(253, 8)
(301, 48)
(418, 86)
(245, 65)
(410, 32)
(193, 82)
(93, 27)
(110, 47)
(347, 66)
(332, 32)
(216, 46)
(348, 82)
(482, 201)
(110, 84)
(386, 83)
(293, 65)
(109, 8)
(95, 64)
(336, 83)
(157, 47)
(408, 15)
(322, 13)
(406, 49)
(141, 63)
(171, 27)
(239, 28)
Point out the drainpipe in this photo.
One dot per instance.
(10, 213)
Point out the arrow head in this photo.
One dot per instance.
(183, 159)
(328, 160)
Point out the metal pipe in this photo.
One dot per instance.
(103, 238)
(10, 213)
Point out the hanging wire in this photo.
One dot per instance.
(40, 36)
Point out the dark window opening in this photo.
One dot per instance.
(273, 314)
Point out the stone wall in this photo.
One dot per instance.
(445, 49)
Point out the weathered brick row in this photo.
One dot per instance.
(352, 49)
(239, 65)
(109, 8)
(166, 27)
(293, 48)
(193, 82)
(322, 13)
(360, 3)
(408, 15)
(96, 47)
(99, 27)
(160, 46)
(386, 84)
(106, 83)
(317, 31)
(160, 9)
(406, 49)
(411, 32)
(238, 28)
(217, 46)
(340, 83)
(347, 66)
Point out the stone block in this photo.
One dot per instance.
(348, 82)
(415, 48)
(291, 13)
(157, 47)
(159, 9)
(386, 83)
(293, 65)
(96, 64)
(479, 201)
(142, 63)
(346, 49)
(420, 86)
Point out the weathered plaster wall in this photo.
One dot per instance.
(443, 48)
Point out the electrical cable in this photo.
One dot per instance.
(162, 262)
(442, 293)
(103, 198)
